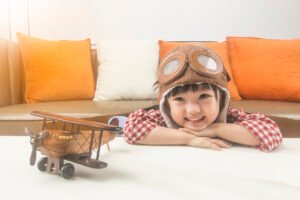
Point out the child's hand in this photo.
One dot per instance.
(206, 142)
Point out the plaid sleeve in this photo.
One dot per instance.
(140, 123)
(265, 129)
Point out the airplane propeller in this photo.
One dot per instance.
(36, 141)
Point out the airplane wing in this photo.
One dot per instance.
(76, 121)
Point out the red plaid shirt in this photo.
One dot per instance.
(141, 123)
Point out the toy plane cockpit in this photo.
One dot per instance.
(67, 138)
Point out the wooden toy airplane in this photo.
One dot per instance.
(67, 138)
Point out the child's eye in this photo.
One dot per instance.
(181, 99)
(204, 96)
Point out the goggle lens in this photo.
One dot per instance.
(207, 62)
(171, 67)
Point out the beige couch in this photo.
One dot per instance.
(15, 114)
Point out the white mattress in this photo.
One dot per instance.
(158, 172)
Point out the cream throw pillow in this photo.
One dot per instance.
(127, 70)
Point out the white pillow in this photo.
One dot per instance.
(127, 70)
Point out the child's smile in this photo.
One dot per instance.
(194, 120)
(194, 110)
(194, 123)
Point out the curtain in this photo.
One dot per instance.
(11, 73)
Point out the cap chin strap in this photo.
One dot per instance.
(222, 117)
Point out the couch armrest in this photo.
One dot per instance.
(11, 74)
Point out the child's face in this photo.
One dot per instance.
(194, 110)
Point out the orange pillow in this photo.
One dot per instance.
(56, 70)
(266, 68)
(219, 47)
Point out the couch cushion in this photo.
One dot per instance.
(266, 69)
(56, 70)
(14, 118)
(12, 73)
(127, 70)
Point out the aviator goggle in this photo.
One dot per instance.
(202, 60)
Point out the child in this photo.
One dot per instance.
(194, 108)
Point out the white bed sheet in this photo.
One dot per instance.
(158, 172)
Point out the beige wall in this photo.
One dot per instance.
(196, 19)
(4, 19)
(61, 19)
(148, 19)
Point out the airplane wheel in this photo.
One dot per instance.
(67, 171)
(42, 165)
